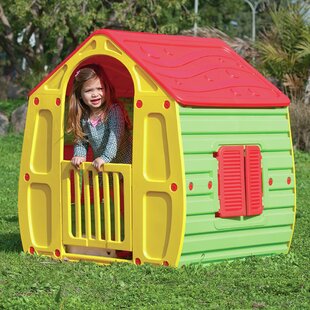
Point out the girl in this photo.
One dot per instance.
(97, 118)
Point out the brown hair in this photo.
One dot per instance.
(77, 108)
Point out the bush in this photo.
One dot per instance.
(300, 124)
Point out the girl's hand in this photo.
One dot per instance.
(76, 161)
(97, 163)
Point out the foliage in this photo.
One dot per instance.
(35, 282)
(161, 16)
(300, 123)
(284, 48)
(8, 106)
(36, 35)
(235, 17)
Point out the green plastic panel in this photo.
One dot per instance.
(209, 238)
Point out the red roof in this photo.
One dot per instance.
(197, 71)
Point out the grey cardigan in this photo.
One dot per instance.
(110, 140)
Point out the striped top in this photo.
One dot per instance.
(109, 139)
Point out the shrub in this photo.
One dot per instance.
(300, 124)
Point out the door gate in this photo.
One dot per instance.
(96, 207)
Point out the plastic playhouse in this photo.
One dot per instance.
(212, 176)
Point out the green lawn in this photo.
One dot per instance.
(33, 282)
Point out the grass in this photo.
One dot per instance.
(8, 106)
(34, 282)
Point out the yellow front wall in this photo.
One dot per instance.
(158, 211)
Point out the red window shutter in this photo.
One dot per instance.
(231, 181)
(253, 180)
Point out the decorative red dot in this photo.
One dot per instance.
(58, 101)
(270, 181)
(174, 187)
(289, 180)
(190, 186)
(57, 253)
(210, 184)
(167, 104)
(31, 250)
(138, 261)
(139, 104)
(36, 101)
(27, 177)
(165, 263)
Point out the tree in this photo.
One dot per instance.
(160, 16)
(36, 35)
(284, 48)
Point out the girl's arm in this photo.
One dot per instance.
(116, 124)
(80, 151)
(80, 148)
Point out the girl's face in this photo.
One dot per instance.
(93, 94)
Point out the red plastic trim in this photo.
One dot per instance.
(231, 181)
(240, 181)
(253, 180)
(195, 71)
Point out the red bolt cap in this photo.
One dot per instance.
(139, 104)
(58, 101)
(174, 187)
(210, 184)
(31, 250)
(36, 101)
(289, 180)
(27, 177)
(190, 186)
(165, 263)
(57, 253)
(167, 104)
(138, 261)
(270, 181)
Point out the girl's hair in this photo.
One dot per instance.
(77, 108)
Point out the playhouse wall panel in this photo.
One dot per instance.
(236, 239)
(205, 223)
(156, 133)
(39, 183)
(202, 204)
(247, 124)
(206, 143)
(41, 155)
(40, 214)
(157, 226)
(212, 238)
(215, 256)
(279, 199)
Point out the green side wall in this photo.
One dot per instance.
(209, 238)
